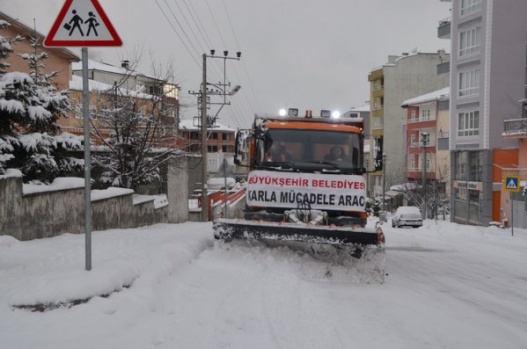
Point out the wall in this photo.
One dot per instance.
(46, 214)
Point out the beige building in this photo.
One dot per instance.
(59, 59)
(401, 78)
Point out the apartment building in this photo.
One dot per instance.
(488, 82)
(427, 148)
(401, 78)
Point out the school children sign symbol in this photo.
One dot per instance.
(82, 23)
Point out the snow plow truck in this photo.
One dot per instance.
(305, 183)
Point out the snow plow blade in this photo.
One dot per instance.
(228, 229)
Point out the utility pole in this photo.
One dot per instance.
(424, 139)
(204, 145)
(384, 157)
(204, 119)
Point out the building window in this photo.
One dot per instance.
(426, 114)
(469, 83)
(224, 136)
(469, 41)
(377, 122)
(413, 114)
(468, 124)
(470, 6)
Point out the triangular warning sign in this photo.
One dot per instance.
(512, 183)
(82, 23)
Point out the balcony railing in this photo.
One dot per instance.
(515, 128)
(444, 29)
(421, 119)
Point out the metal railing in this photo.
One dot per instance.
(515, 127)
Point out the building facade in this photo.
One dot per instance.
(401, 78)
(427, 140)
(59, 59)
(488, 79)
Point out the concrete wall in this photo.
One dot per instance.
(180, 178)
(52, 213)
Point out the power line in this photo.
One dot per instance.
(177, 33)
(182, 29)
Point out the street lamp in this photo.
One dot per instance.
(424, 139)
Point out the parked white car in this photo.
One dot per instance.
(407, 216)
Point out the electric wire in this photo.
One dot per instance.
(177, 33)
(185, 25)
(181, 27)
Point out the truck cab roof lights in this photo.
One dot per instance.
(324, 113)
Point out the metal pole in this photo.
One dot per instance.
(423, 138)
(383, 183)
(87, 172)
(225, 186)
(512, 214)
(204, 147)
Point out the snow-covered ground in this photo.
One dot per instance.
(173, 286)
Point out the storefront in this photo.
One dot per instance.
(471, 187)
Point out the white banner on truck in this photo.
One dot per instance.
(287, 189)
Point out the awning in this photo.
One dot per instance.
(393, 193)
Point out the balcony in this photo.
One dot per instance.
(444, 29)
(515, 128)
(443, 68)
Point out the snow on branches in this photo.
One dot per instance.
(30, 106)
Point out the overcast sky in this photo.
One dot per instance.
(295, 53)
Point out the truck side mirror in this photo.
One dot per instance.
(241, 147)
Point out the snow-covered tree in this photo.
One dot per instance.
(8, 139)
(132, 154)
(30, 106)
(134, 130)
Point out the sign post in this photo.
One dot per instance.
(83, 23)
(512, 185)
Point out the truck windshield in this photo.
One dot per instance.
(334, 148)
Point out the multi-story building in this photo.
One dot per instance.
(363, 112)
(59, 59)
(427, 139)
(401, 78)
(487, 72)
(127, 79)
(220, 143)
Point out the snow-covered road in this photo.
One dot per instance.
(448, 286)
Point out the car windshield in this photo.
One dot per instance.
(312, 148)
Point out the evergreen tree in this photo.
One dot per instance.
(10, 111)
(30, 107)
